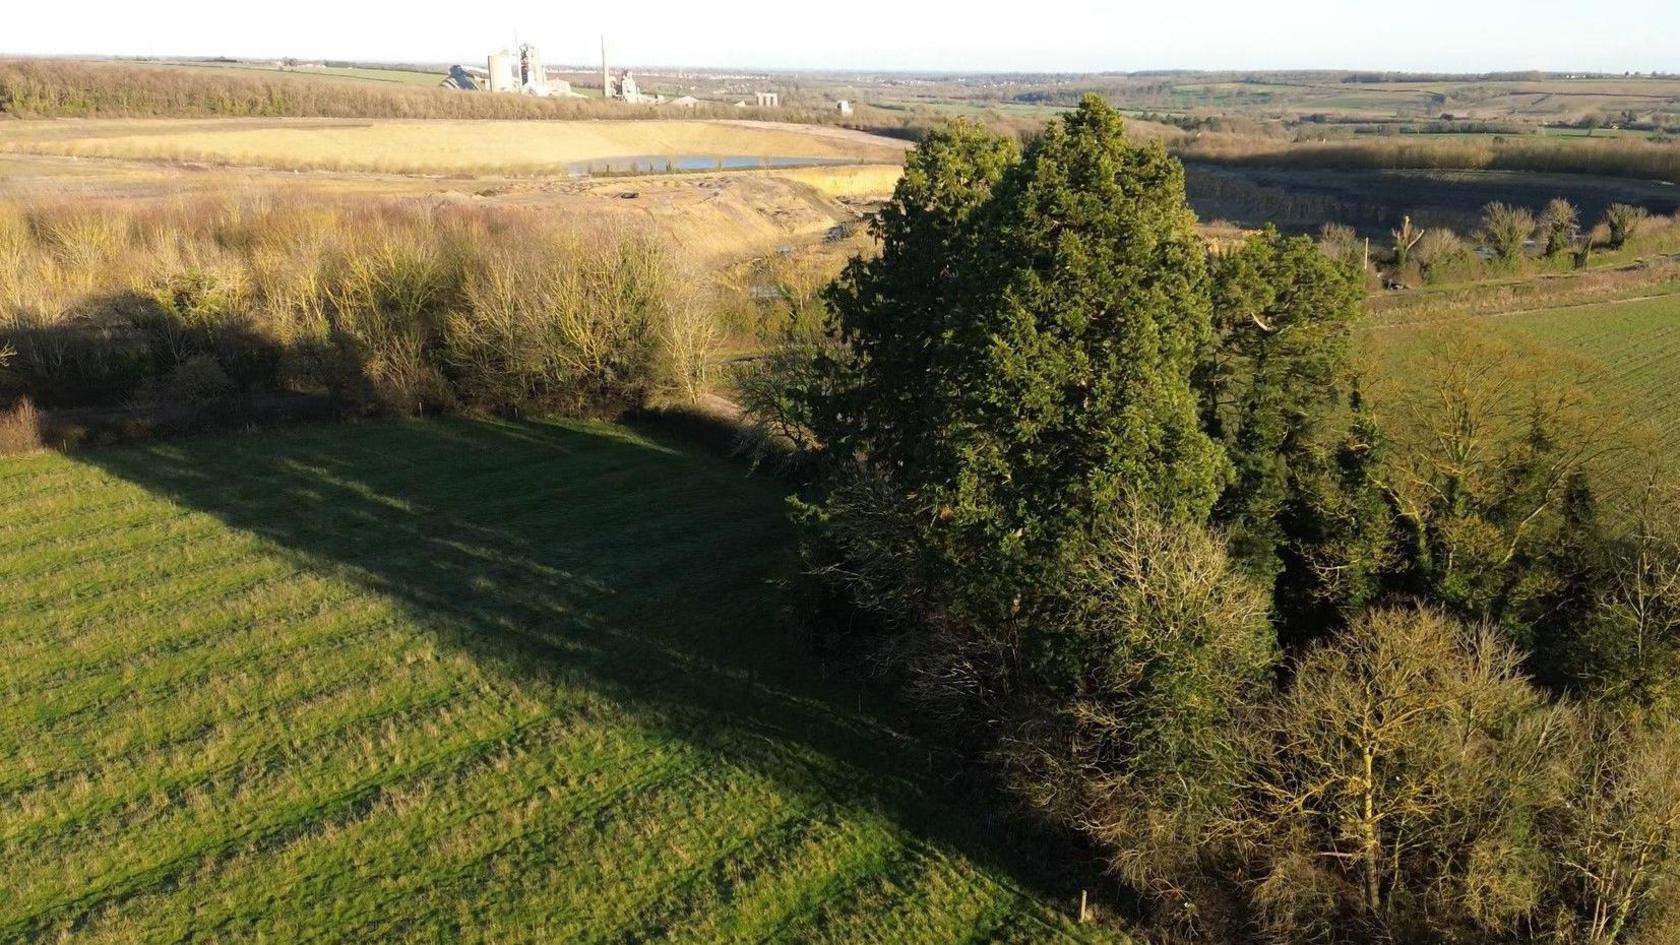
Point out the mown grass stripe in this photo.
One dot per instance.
(79, 819)
(192, 729)
(196, 632)
(432, 681)
(268, 832)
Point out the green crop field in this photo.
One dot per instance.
(400, 76)
(447, 681)
(1633, 348)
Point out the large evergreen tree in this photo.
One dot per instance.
(1064, 381)
(896, 314)
(1012, 372)
(1277, 388)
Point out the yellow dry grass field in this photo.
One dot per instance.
(853, 182)
(441, 147)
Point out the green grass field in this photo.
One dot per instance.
(1633, 348)
(399, 76)
(447, 681)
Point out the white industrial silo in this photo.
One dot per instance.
(533, 77)
(502, 76)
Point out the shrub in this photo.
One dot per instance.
(1440, 253)
(1623, 221)
(1559, 223)
(20, 428)
(1505, 231)
(563, 326)
(778, 390)
(1405, 240)
(1341, 243)
(377, 305)
(690, 342)
(389, 298)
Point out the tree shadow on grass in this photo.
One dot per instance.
(576, 555)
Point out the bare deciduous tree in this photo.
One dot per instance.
(1405, 239)
(1412, 785)
(1634, 650)
(1486, 443)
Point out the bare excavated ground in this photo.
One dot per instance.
(717, 217)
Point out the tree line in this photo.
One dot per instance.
(1306, 661)
(1501, 241)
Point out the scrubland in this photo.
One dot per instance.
(205, 305)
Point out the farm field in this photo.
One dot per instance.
(398, 76)
(1347, 97)
(1341, 97)
(1633, 347)
(448, 147)
(446, 680)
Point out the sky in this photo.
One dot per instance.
(908, 35)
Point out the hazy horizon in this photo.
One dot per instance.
(873, 35)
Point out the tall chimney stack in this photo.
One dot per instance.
(606, 80)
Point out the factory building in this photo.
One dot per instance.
(533, 78)
(623, 88)
(518, 72)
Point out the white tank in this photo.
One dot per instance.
(502, 75)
